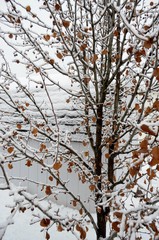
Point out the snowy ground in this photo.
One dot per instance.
(21, 229)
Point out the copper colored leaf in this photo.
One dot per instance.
(148, 43)
(116, 33)
(59, 55)
(146, 129)
(92, 187)
(48, 190)
(28, 163)
(107, 155)
(84, 143)
(57, 7)
(94, 119)
(34, 131)
(66, 23)
(154, 228)
(37, 70)
(81, 211)
(45, 222)
(47, 37)
(94, 58)
(82, 234)
(59, 228)
(10, 166)
(115, 226)
(156, 105)
(51, 178)
(86, 154)
(74, 203)
(83, 46)
(57, 165)
(118, 215)
(151, 173)
(78, 228)
(28, 8)
(19, 126)
(104, 51)
(27, 104)
(133, 170)
(156, 72)
(54, 34)
(47, 236)
(52, 61)
(10, 35)
(155, 156)
(137, 106)
(144, 146)
(10, 149)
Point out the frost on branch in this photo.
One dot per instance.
(82, 122)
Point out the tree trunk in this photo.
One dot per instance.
(101, 220)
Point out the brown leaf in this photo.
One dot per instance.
(86, 154)
(74, 203)
(66, 23)
(155, 156)
(115, 226)
(82, 234)
(57, 165)
(118, 215)
(116, 33)
(51, 178)
(57, 7)
(92, 187)
(47, 37)
(104, 51)
(148, 43)
(48, 190)
(34, 131)
(81, 211)
(84, 143)
(54, 34)
(151, 173)
(154, 228)
(47, 236)
(137, 106)
(59, 55)
(28, 8)
(156, 105)
(156, 72)
(78, 228)
(94, 58)
(146, 129)
(134, 170)
(37, 70)
(28, 163)
(52, 61)
(10, 149)
(94, 119)
(45, 222)
(144, 146)
(19, 126)
(83, 46)
(27, 104)
(10, 35)
(59, 228)
(10, 166)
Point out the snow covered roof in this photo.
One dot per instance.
(52, 101)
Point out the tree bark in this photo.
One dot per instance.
(101, 220)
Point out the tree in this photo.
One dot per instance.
(109, 52)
